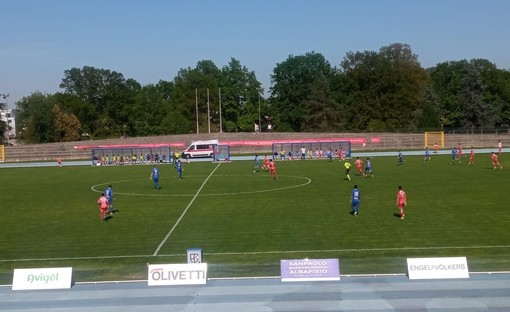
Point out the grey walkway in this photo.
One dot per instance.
(481, 292)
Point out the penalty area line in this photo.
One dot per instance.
(184, 212)
(348, 250)
(256, 253)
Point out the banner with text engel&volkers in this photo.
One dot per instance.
(177, 274)
(437, 268)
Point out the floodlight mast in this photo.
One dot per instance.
(219, 101)
(5, 96)
(208, 113)
(196, 108)
(260, 126)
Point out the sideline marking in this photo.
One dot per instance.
(307, 181)
(255, 253)
(184, 212)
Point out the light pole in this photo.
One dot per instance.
(260, 125)
(196, 108)
(208, 113)
(5, 96)
(219, 101)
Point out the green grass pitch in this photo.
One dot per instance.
(245, 223)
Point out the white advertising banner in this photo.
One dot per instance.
(44, 278)
(437, 268)
(177, 274)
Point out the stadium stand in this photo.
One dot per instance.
(251, 143)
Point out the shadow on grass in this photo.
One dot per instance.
(107, 218)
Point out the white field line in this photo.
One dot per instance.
(184, 212)
(261, 252)
(94, 188)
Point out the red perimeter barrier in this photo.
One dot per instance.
(235, 143)
(145, 145)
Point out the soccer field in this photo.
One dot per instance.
(245, 223)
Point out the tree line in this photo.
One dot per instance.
(369, 91)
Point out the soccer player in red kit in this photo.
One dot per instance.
(266, 163)
(401, 201)
(471, 156)
(495, 161)
(272, 170)
(436, 148)
(103, 206)
(59, 161)
(459, 151)
(359, 164)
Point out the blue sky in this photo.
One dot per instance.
(152, 40)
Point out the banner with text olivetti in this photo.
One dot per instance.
(437, 268)
(298, 270)
(43, 278)
(177, 274)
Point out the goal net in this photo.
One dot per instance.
(221, 153)
(432, 138)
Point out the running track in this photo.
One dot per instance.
(481, 292)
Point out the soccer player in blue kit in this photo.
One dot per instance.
(178, 167)
(257, 163)
(454, 155)
(155, 178)
(355, 197)
(368, 168)
(109, 195)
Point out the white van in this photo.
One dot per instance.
(200, 149)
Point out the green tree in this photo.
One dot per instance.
(109, 94)
(147, 112)
(190, 89)
(175, 123)
(474, 110)
(447, 79)
(322, 112)
(293, 86)
(66, 126)
(83, 110)
(88, 84)
(35, 118)
(496, 86)
(386, 89)
(472, 93)
(430, 119)
(240, 92)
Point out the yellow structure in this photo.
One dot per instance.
(432, 138)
